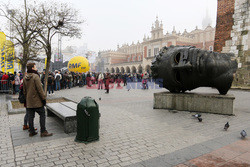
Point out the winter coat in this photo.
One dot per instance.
(51, 80)
(69, 78)
(100, 76)
(33, 91)
(107, 80)
(17, 80)
(58, 77)
(144, 76)
(5, 77)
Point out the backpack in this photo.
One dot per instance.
(21, 97)
(49, 80)
(57, 77)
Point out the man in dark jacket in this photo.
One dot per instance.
(35, 99)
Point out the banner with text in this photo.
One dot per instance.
(10, 56)
(2, 50)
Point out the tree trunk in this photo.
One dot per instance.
(23, 68)
(47, 69)
(24, 61)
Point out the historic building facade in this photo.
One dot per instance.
(137, 57)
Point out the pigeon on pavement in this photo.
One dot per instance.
(200, 119)
(243, 133)
(226, 126)
(197, 115)
(100, 98)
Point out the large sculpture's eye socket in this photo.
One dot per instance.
(177, 58)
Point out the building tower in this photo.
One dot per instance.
(207, 21)
(157, 29)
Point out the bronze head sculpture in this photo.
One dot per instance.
(181, 68)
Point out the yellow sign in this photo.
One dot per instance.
(78, 64)
(2, 50)
(45, 63)
(10, 55)
(2, 39)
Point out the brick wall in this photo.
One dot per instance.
(225, 11)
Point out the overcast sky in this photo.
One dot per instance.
(112, 22)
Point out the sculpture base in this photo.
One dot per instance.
(197, 102)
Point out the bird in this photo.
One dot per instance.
(200, 119)
(100, 98)
(226, 126)
(243, 134)
(128, 89)
(197, 115)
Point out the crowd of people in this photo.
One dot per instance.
(66, 80)
(10, 82)
(58, 80)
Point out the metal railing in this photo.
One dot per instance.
(6, 86)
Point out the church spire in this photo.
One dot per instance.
(174, 32)
(156, 22)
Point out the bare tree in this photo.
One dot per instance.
(24, 32)
(53, 18)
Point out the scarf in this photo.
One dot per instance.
(33, 71)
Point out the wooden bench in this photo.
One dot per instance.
(65, 111)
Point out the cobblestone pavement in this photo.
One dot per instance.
(131, 132)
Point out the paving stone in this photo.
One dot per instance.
(60, 162)
(99, 161)
(105, 164)
(126, 163)
(70, 164)
(113, 162)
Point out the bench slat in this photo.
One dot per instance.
(70, 104)
(61, 110)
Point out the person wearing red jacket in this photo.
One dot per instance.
(5, 78)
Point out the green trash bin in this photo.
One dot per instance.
(88, 115)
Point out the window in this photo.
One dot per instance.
(156, 51)
(139, 58)
(211, 48)
(128, 59)
(149, 52)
